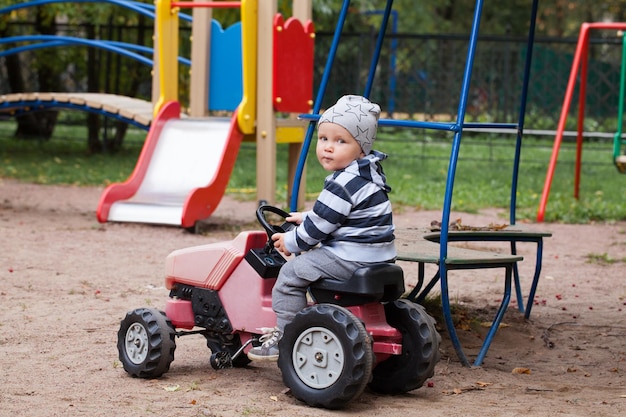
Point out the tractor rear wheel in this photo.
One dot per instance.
(420, 350)
(325, 356)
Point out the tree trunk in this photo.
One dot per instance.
(40, 124)
(132, 71)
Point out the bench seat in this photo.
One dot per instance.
(511, 234)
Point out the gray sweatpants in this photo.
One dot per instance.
(289, 293)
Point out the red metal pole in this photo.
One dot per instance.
(582, 46)
(584, 33)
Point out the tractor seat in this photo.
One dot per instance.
(378, 282)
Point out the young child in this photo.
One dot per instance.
(351, 219)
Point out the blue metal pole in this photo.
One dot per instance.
(379, 43)
(416, 124)
(58, 40)
(138, 7)
(391, 106)
(518, 146)
(522, 110)
(451, 127)
(391, 102)
(447, 203)
(318, 105)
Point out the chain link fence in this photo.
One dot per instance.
(420, 76)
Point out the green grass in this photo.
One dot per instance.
(603, 259)
(65, 159)
(416, 170)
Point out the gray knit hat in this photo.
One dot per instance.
(357, 115)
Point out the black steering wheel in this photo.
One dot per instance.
(271, 228)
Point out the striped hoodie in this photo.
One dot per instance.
(352, 215)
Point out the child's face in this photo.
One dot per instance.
(336, 148)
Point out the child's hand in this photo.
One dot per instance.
(294, 217)
(279, 243)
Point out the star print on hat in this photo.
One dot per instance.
(357, 115)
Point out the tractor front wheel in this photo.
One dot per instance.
(146, 343)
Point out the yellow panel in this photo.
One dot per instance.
(167, 58)
(247, 109)
(290, 134)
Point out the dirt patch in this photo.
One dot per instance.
(67, 281)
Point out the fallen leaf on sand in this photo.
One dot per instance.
(489, 323)
(457, 391)
(524, 371)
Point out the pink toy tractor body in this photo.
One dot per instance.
(352, 334)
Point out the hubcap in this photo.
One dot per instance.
(136, 343)
(318, 357)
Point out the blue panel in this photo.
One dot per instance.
(226, 68)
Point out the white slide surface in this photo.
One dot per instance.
(187, 156)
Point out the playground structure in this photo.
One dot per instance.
(579, 72)
(186, 162)
(129, 110)
(422, 249)
(181, 176)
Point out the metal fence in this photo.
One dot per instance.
(418, 76)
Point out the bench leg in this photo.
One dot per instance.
(420, 281)
(447, 315)
(498, 319)
(415, 295)
(533, 287)
(518, 286)
(420, 299)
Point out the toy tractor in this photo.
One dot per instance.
(353, 333)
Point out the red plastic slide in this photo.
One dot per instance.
(181, 174)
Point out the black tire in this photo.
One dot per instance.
(146, 343)
(325, 356)
(420, 350)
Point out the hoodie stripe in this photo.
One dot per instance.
(352, 215)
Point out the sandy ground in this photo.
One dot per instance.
(67, 281)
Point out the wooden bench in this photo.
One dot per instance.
(413, 247)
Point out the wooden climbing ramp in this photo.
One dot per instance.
(127, 109)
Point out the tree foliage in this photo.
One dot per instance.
(555, 17)
(40, 70)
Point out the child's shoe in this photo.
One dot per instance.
(268, 351)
